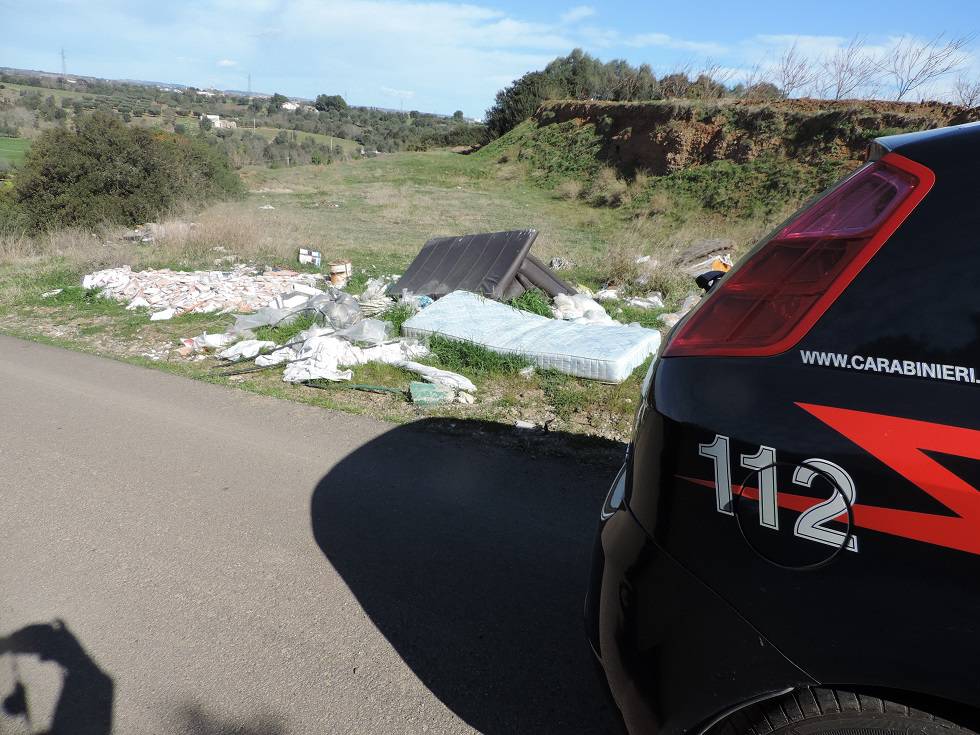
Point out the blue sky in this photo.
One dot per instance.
(439, 56)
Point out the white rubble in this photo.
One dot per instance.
(242, 289)
(669, 320)
(580, 309)
(207, 341)
(246, 349)
(654, 300)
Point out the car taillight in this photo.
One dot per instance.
(770, 300)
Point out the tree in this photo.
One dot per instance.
(326, 102)
(848, 70)
(458, 116)
(967, 92)
(276, 102)
(793, 71)
(912, 64)
(103, 171)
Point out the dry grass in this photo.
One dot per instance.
(569, 190)
(608, 190)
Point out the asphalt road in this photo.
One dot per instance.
(228, 563)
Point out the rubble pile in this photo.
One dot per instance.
(168, 293)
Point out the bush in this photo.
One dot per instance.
(104, 171)
(607, 189)
(569, 190)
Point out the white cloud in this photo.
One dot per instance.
(579, 12)
(404, 94)
(450, 55)
(662, 40)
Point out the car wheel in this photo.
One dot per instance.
(833, 712)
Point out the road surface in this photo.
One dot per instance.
(227, 563)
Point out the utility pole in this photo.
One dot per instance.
(64, 66)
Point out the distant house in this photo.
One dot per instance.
(217, 122)
(290, 106)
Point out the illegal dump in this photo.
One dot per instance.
(475, 327)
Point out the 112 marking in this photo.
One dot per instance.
(811, 523)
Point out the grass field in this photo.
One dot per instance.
(349, 146)
(378, 212)
(13, 150)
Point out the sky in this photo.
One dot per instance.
(441, 56)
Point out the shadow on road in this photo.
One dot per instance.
(85, 703)
(473, 562)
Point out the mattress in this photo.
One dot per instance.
(606, 352)
(495, 264)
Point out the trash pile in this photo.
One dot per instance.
(454, 288)
(168, 293)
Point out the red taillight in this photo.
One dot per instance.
(771, 299)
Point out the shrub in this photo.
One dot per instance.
(104, 171)
(570, 189)
(607, 189)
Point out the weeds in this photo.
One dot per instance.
(283, 333)
(397, 315)
(535, 301)
(471, 359)
(564, 393)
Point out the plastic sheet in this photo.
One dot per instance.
(246, 349)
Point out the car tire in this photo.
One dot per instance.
(833, 712)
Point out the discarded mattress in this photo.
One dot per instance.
(598, 351)
(495, 264)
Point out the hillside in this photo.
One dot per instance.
(666, 136)
(734, 157)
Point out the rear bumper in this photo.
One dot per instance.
(674, 654)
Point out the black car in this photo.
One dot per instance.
(793, 542)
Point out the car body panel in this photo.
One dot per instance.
(878, 593)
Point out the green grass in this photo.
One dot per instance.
(283, 333)
(534, 301)
(397, 315)
(473, 360)
(349, 146)
(13, 150)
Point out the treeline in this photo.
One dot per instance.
(102, 171)
(287, 148)
(904, 69)
(582, 76)
(375, 129)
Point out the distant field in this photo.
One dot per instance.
(349, 146)
(13, 150)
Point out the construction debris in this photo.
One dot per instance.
(669, 320)
(710, 254)
(340, 273)
(373, 300)
(52, 293)
(243, 289)
(310, 257)
(654, 300)
(247, 349)
(428, 394)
